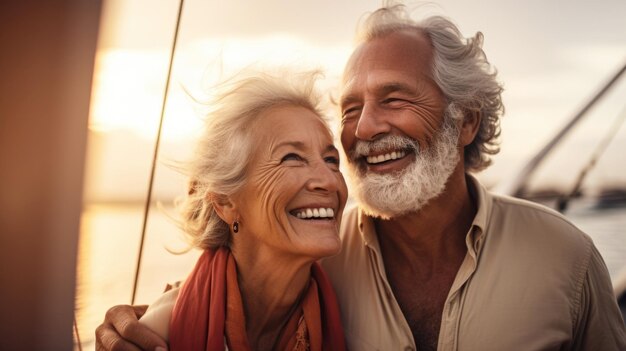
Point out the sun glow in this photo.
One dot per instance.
(128, 88)
(129, 84)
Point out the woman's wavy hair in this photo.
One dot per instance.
(460, 69)
(220, 164)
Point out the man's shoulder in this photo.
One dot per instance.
(510, 216)
(516, 204)
(531, 214)
(531, 224)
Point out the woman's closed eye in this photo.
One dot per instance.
(291, 157)
(333, 160)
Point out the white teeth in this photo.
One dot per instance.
(386, 157)
(316, 213)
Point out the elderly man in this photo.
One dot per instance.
(430, 259)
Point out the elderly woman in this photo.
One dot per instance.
(265, 204)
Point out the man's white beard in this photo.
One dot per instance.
(393, 195)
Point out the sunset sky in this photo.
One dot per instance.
(551, 56)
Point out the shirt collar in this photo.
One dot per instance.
(483, 201)
(367, 229)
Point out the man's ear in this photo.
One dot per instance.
(469, 127)
(224, 207)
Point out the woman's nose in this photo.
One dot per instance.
(324, 178)
(372, 123)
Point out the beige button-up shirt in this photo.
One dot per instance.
(530, 281)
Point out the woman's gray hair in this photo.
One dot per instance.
(460, 69)
(219, 167)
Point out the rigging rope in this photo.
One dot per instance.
(77, 343)
(156, 152)
(593, 161)
(517, 187)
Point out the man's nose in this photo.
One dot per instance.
(372, 123)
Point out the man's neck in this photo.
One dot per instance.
(436, 233)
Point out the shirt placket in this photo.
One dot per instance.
(450, 319)
(397, 312)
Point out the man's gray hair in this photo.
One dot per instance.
(460, 69)
(220, 165)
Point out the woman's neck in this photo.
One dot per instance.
(270, 288)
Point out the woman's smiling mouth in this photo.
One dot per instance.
(314, 213)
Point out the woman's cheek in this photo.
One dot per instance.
(271, 190)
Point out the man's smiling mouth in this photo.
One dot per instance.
(394, 155)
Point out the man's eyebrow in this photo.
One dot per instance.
(396, 87)
(382, 90)
(347, 99)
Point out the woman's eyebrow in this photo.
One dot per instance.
(296, 144)
(331, 148)
(300, 146)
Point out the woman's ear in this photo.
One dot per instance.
(224, 207)
(469, 127)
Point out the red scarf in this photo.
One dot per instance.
(209, 312)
